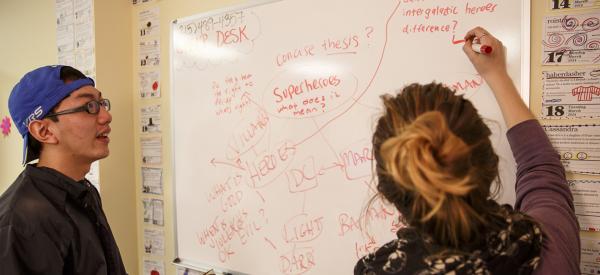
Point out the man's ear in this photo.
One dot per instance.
(40, 130)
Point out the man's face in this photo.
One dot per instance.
(83, 136)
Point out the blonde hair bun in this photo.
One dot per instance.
(429, 159)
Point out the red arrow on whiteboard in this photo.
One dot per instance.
(237, 164)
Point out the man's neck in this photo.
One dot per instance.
(75, 170)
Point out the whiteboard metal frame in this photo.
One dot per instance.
(198, 266)
(525, 51)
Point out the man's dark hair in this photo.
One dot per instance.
(67, 74)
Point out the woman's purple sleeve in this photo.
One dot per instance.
(543, 193)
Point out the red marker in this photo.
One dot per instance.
(484, 49)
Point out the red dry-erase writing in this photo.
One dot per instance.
(485, 49)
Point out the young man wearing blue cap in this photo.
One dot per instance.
(51, 218)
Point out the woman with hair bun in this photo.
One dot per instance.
(435, 163)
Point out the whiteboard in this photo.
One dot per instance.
(273, 108)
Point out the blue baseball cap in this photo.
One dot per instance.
(38, 92)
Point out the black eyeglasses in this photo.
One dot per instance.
(92, 107)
